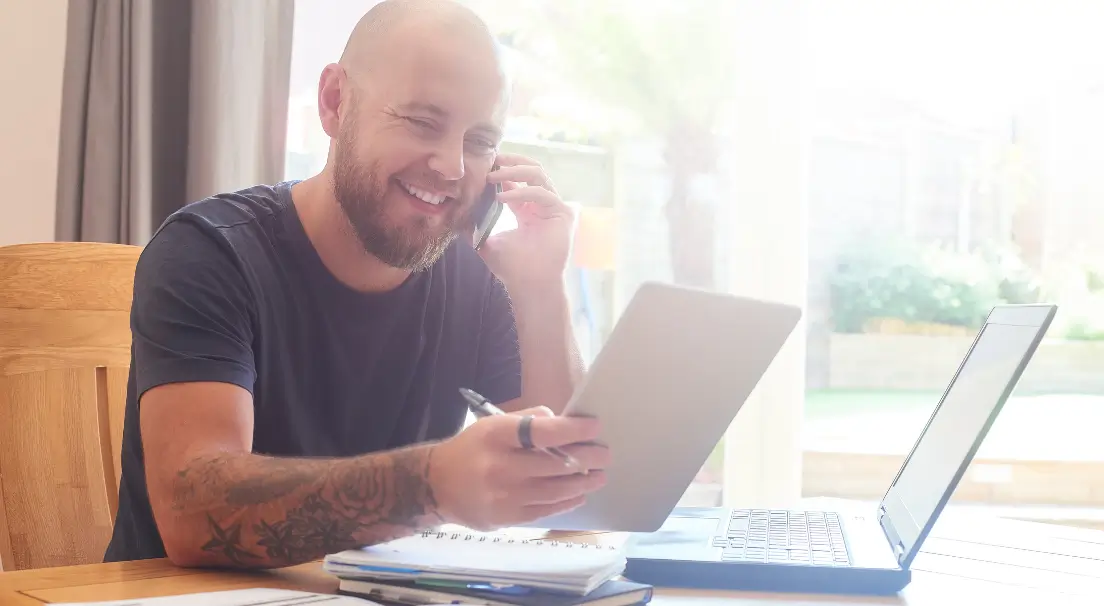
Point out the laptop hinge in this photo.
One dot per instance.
(891, 536)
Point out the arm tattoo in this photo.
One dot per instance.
(298, 510)
(266, 488)
(227, 542)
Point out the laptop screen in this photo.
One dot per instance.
(969, 406)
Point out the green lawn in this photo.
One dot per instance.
(855, 408)
(1036, 426)
(836, 403)
(1033, 426)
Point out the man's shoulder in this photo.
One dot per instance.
(256, 206)
(225, 230)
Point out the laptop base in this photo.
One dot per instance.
(767, 550)
(766, 577)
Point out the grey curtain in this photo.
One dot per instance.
(166, 102)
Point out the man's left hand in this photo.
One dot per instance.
(535, 254)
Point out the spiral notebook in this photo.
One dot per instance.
(481, 558)
(610, 593)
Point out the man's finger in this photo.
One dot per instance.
(525, 173)
(537, 411)
(506, 429)
(547, 432)
(545, 203)
(541, 464)
(507, 159)
(590, 457)
(533, 193)
(536, 512)
(545, 491)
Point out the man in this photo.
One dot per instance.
(298, 349)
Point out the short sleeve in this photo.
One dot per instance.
(191, 317)
(499, 365)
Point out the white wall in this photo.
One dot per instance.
(32, 59)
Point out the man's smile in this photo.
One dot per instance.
(425, 195)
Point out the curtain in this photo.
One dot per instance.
(165, 102)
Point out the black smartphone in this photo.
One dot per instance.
(487, 211)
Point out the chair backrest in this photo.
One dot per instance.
(64, 359)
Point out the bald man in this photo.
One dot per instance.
(298, 348)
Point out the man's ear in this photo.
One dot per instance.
(331, 90)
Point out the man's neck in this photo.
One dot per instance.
(333, 239)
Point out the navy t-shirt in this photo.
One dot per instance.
(230, 289)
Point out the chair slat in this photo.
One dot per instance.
(64, 363)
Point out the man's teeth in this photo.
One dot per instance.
(423, 195)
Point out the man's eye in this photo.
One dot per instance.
(420, 123)
(483, 143)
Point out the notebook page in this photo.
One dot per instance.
(239, 597)
(494, 558)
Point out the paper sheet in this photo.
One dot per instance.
(239, 597)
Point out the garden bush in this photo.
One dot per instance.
(930, 285)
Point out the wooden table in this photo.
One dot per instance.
(989, 561)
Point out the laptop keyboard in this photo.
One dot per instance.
(784, 537)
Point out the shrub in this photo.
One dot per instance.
(1079, 287)
(885, 279)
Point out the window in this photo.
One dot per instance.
(976, 142)
(894, 168)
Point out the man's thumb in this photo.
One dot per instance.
(537, 411)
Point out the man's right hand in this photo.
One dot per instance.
(484, 479)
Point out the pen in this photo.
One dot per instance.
(482, 407)
(489, 587)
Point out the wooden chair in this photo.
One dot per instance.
(64, 359)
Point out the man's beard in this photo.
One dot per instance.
(360, 194)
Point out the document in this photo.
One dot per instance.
(239, 597)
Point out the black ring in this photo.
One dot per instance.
(525, 435)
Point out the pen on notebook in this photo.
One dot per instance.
(482, 407)
(492, 587)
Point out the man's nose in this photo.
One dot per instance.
(448, 160)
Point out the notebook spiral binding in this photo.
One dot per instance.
(458, 536)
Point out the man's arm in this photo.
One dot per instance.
(217, 504)
(551, 366)
(214, 502)
(531, 261)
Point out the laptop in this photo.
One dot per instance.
(845, 552)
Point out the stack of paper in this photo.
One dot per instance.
(488, 570)
(554, 566)
(239, 597)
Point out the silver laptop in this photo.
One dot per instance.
(837, 552)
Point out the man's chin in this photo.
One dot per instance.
(411, 258)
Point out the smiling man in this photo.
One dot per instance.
(298, 349)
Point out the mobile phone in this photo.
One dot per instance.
(487, 211)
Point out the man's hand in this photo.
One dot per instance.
(537, 251)
(484, 479)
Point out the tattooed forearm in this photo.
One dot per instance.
(258, 511)
(275, 479)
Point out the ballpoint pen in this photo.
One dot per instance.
(482, 407)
